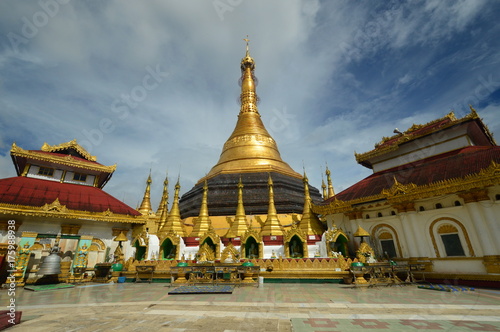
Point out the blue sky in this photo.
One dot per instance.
(154, 85)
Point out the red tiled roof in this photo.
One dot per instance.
(22, 190)
(454, 164)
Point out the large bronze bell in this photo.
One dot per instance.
(52, 263)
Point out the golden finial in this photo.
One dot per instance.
(331, 192)
(247, 40)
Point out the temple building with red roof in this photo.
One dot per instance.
(433, 198)
(57, 197)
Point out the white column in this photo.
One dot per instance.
(492, 222)
(480, 228)
(419, 233)
(406, 226)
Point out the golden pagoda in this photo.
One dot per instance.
(240, 224)
(174, 222)
(145, 207)
(272, 225)
(310, 223)
(202, 223)
(250, 153)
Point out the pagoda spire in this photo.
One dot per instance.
(145, 207)
(164, 197)
(174, 222)
(310, 223)
(250, 148)
(272, 226)
(240, 224)
(163, 206)
(203, 223)
(323, 187)
(331, 192)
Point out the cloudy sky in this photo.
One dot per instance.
(154, 84)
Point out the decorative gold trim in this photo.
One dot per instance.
(66, 160)
(400, 193)
(475, 195)
(462, 227)
(55, 206)
(385, 236)
(446, 229)
(215, 239)
(70, 229)
(97, 245)
(33, 211)
(29, 234)
(68, 145)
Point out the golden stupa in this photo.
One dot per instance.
(250, 153)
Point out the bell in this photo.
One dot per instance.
(52, 263)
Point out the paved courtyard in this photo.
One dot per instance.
(273, 307)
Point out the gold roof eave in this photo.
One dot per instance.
(66, 160)
(399, 193)
(43, 212)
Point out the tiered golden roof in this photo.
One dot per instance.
(240, 223)
(164, 197)
(163, 207)
(203, 223)
(250, 148)
(272, 226)
(145, 207)
(174, 222)
(309, 224)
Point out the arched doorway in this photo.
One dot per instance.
(140, 251)
(339, 245)
(209, 242)
(168, 249)
(296, 247)
(251, 248)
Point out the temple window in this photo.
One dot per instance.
(421, 208)
(367, 216)
(379, 214)
(387, 244)
(497, 197)
(439, 206)
(80, 177)
(457, 203)
(47, 171)
(393, 213)
(451, 240)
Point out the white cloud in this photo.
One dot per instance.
(334, 77)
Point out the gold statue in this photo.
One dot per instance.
(81, 256)
(23, 256)
(365, 253)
